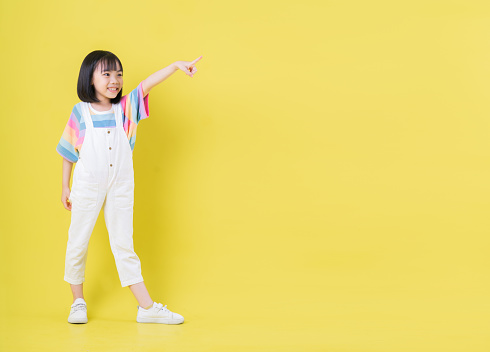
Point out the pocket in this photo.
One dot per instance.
(84, 195)
(81, 171)
(124, 194)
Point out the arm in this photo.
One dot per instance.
(157, 78)
(160, 76)
(65, 183)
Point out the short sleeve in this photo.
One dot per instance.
(135, 105)
(68, 145)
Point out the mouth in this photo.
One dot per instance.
(112, 90)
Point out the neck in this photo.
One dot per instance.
(104, 103)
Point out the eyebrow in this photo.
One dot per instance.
(110, 71)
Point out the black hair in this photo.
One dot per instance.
(85, 89)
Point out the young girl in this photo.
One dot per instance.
(99, 137)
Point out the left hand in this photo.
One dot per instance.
(188, 66)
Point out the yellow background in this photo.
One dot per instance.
(321, 184)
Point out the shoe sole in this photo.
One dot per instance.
(160, 321)
(78, 321)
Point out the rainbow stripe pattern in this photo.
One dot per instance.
(135, 108)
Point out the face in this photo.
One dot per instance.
(107, 84)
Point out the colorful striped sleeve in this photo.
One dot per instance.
(135, 108)
(72, 137)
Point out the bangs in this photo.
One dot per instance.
(110, 63)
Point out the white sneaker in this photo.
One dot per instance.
(78, 312)
(158, 314)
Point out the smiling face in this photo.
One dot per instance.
(107, 83)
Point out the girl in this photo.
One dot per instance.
(99, 137)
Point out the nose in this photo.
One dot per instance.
(114, 79)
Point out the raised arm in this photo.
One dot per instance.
(158, 77)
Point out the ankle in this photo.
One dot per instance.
(148, 307)
(75, 298)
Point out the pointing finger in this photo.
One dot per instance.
(196, 60)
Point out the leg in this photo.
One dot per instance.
(77, 291)
(118, 213)
(141, 294)
(86, 204)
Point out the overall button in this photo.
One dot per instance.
(108, 131)
(111, 165)
(110, 148)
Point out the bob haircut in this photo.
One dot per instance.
(85, 89)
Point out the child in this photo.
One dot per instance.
(99, 137)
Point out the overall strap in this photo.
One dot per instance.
(86, 115)
(118, 114)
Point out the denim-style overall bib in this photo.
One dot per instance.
(103, 177)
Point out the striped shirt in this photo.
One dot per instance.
(134, 107)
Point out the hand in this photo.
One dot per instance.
(187, 66)
(65, 194)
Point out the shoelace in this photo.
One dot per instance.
(160, 307)
(79, 306)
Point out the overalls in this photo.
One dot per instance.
(103, 177)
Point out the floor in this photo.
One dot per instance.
(348, 322)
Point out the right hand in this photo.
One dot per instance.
(188, 67)
(65, 195)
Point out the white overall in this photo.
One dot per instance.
(103, 177)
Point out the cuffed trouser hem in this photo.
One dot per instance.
(74, 282)
(131, 282)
